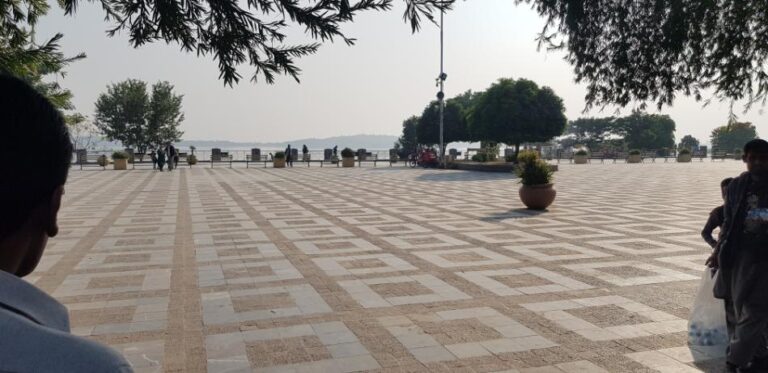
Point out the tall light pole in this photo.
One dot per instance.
(441, 94)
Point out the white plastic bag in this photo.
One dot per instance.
(706, 325)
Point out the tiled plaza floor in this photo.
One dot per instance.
(386, 269)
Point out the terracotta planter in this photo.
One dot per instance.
(580, 159)
(537, 197)
(635, 158)
(348, 162)
(120, 164)
(684, 158)
(278, 163)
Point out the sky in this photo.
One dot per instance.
(368, 88)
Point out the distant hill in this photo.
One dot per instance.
(354, 142)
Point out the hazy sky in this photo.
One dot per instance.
(367, 88)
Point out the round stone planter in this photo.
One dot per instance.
(537, 197)
(120, 164)
(278, 163)
(635, 158)
(684, 158)
(348, 162)
(580, 159)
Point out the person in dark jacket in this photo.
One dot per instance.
(716, 216)
(288, 156)
(160, 159)
(741, 257)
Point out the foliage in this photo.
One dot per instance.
(634, 152)
(347, 153)
(279, 155)
(253, 32)
(454, 124)
(527, 156)
(649, 50)
(515, 112)
(732, 136)
(408, 141)
(127, 114)
(192, 159)
(592, 132)
(689, 142)
(81, 130)
(480, 157)
(22, 57)
(120, 155)
(684, 151)
(537, 172)
(490, 149)
(581, 152)
(102, 160)
(647, 131)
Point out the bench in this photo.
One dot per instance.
(719, 155)
(91, 160)
(597, 155)
(647, 155)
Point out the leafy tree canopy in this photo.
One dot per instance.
(408, 141)
(689, 142)
(127, 113)
(650, 50)
(517, 112)
(454, 122)
(591, 132)
(647, 131)
(732, 136)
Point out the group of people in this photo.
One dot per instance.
(164, 155)
(740, 260)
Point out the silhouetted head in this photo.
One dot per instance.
(35, 156)
(756, 157)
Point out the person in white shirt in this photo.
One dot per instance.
(35, 156)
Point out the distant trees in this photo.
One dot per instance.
(454, 124)
(732, 136)
(591, 132)
(127, 113)
(408, 141)
(516, 112)
(647, 131)
(688, 142)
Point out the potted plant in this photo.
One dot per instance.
(580, 157)
(120, 159)
(537, 192)
(102, 161)
(480, 157)
(192, 159)
(634, 156)
(347, 157)
(684, 155)
(527, 156)
(278, 160)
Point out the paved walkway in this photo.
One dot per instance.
(386, 269)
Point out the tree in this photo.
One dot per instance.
(732, 136)
(408, 141)
(81, 130)
(647, 131)
(649, 50)
(454, 124)
(515, 112)
(689, 142)
(592, 132)
(126, 113)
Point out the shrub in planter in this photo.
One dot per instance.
(192, 159)
(684, 155)
(580, 157)
(347, 157)
(120, 159)
(536, 192)
(527, 156)
(480, 157)
(635, 156)
(278, 160)
(102, 160)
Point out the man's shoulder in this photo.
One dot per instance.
(29, 347)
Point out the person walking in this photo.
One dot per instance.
(160, 159)
(171, 153)
(153, 156)
(288, 156)
(715, 217)
(741, 257)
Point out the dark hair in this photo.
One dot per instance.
(726, 182)
(35, 152)
(756, 146)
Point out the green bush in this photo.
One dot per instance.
(279, 155)
(537, 172)
(527, 156)
(480, 157)
(192, 159)
(347, 153)
(684, 151)
(120, 155)
(581, 152)
(102, 160)
(634, 152)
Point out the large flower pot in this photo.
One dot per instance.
(348, 162)
(537, 197)
(580, 159)
(278, 163)
(635, 158)
(684, 158)
(121, 164)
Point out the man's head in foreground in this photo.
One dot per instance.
(756, 157)
(35, 155)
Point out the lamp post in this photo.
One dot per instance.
(441, 94)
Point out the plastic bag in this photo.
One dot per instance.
(706, 325)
